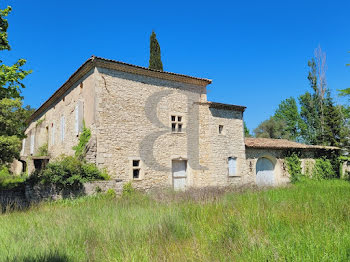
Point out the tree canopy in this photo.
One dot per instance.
(155, 61)
(12, 113)
(315, 118)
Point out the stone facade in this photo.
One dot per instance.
(47, 127)
(144, 120)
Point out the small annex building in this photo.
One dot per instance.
(266, 158)
(154, 128)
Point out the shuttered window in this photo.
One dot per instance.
(23, 146)
(79, 117)
(62, 128)
(232, 166)
(32, 141)
(52, 134)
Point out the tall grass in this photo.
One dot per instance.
(305, 222)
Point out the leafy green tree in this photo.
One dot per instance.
(319, 120)
(12, 126)
(288, 112)
(310, 124)
(294, 167)
(346, 91)
(155, 61)
(312, 108)
(246, 130)
(12, 114)
(272, 128)
(333, 120)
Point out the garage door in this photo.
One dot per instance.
(264, 172)
(179, 174)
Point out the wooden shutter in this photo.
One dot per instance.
(52, 134)
(62, 128)
(76, 111)
(32, 141)
(80, 116)
(23, 146)
(232, 162)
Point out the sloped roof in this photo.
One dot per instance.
(95, 61)
(282, 144)
(223, 106)
(101, 59)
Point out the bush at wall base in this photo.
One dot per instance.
(67, 172)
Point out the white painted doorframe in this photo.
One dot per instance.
(179, 174)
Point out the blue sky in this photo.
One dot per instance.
(255, 52)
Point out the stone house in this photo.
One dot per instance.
(154, 128)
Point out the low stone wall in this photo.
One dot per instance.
(12, 198)
(38, 193)
(26, 195)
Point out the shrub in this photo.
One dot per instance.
(128, 190)
(309, 165)
(323, 169)
(4, 172)
(68, 172)
(294, 167)
(8, 180)
(83, 140)
(43, 150)
(111, 193)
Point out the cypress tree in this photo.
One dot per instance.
(155, 61)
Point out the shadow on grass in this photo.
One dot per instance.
(51, 257)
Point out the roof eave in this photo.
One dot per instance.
(94, 61)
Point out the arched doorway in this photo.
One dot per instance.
(265, 172)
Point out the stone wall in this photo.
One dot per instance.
(346, 170)
(134, 123)
(38, 193)
(47, 127)
(91, 150)
(25, 195)
(12, 198)
(277, 156)
(230, 143)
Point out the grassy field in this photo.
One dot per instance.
(304, 222)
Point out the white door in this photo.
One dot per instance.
(264, 172)
(179, 174)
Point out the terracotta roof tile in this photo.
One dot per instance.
(281, 144)
(223, 106)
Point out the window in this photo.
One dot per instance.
(62, 128)
(232, 166)
(23, 146)
(221, 129)
(176, 124)
(136, 169)
(32, 141)
(79, 117)
(52, 134)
